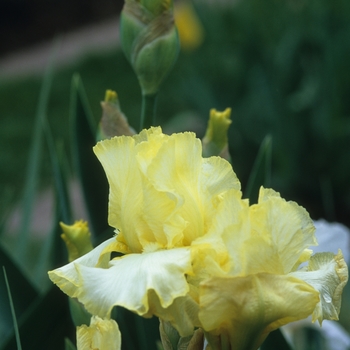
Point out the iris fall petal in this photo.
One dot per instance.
(328, 274)
(130, 278)
(246, 309)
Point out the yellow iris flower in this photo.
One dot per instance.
(196, 253)
(163, 196)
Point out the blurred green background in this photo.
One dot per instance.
(283, 67)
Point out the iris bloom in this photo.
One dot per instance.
(195, 253)
(163, 196)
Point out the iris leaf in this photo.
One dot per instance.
(89, 171)
(22, 300)
(45, 324)
(15, 325)
(32, 176)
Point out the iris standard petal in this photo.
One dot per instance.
(161, 189)
(102, 334)
(221, 247)
(246, 309)
(191, 182)
(328, 274)
(129, 279)
(216, 178)
(175, 171)
(118, 158)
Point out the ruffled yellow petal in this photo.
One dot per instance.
(175, 171)
(117, 156)
(328, 274)
(102, 334)
(280, 231)
(161, 189)
(67, 277)
(129, 279)
(220, 250)
(246, 309)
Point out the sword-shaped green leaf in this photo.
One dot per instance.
(23, 294)
(15, 325)
(45, 324)
(88, 169)
(34, 160)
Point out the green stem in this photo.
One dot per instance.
(148, 113)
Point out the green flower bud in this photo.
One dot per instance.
(149, 40)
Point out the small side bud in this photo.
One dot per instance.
(113, 121)
(102, 334)
(77, 238)
(215, 141)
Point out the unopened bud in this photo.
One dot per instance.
(149, 40)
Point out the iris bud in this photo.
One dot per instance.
(149, 40)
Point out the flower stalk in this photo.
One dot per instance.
(148, 112)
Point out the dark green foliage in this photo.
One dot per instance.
(90, 172)
(45, 324)
(275, 341)
(21, 301)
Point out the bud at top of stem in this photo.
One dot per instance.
(149, 40)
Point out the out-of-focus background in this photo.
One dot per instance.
(282, 66)
(80, 34)
(25, 23)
